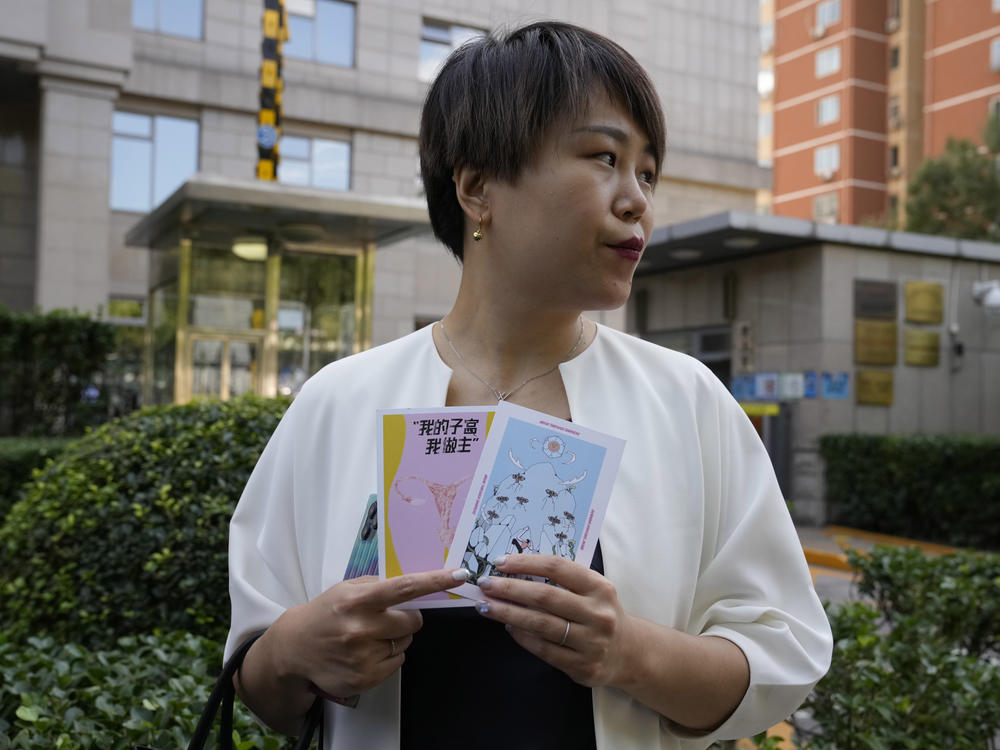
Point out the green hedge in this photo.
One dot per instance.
(127, 532)
(940, 488)
(146, 690)
(915, 663)
(18, 458)
(46, 363)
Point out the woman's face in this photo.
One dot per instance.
(570, 230)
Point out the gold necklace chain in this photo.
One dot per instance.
(504, 395)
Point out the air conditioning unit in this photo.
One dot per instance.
(895, 121)
(894, 171)
(817, 31)
(826, 175)
(891, 24)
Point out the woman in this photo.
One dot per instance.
(540, 152)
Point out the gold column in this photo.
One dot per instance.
(269, 356)
(364, 296)
(182, 359)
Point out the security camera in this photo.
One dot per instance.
(987, 294)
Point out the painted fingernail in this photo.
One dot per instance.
(485, 583)
(499, 561)
(462, 574)
(483, 607)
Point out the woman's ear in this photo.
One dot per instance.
(470, 191)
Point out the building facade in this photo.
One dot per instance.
(825, 329)
(111, 104)
(865, 91)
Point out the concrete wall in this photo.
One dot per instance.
(800, 304)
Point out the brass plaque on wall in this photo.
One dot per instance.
(921, 348)
(875, 299)
(874, 387)
(875, 342)
(924, 302)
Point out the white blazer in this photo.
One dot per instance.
(697, 535)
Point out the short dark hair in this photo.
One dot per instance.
(497, 95)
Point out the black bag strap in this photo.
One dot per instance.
(223, 695)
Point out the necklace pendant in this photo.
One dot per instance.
(501, 396)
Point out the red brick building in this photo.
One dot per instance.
(864, 90)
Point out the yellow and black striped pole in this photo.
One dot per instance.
(271, 84)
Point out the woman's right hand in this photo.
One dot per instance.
(348, 639)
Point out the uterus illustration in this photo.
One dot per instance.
(412, 490)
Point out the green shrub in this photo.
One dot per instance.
(941, 488)
(147, 690)
(46, 362)
(126, 533)
(915, 666)
(18, 458)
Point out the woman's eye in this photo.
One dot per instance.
(608, 158)
(647, 176)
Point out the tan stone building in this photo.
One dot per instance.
(110, 105)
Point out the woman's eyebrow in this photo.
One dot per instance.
(613, 132)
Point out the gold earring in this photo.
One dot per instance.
(478, 234)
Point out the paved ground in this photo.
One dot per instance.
(824, 549)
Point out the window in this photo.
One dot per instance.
(176, 17)
(893, 206)
(320, 30)
(765, 124)
(437, 40)
(826, 160)
(995, 54)
(828, 109)
(315, 162)
(996, 6)
(150, 157)
(895, 117)
(894, 10)
(894, 158)
(893, 57)
(766, 37)
(827, 13)
(765, 82)
(994, 107)
(826, 208)
(827, 61)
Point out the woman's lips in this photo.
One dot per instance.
(630, 249)
(627, 253)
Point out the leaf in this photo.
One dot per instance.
(28, 714)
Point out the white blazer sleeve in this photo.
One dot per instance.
(755, 588)
(265, 574)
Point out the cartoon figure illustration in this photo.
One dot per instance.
(533, 499)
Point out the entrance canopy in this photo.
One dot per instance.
(258, 285)
(214, 210)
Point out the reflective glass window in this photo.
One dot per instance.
(175, 17)
(175, 155)
(437, 40)
(150, 157)
(322, 30)
(828, 109)
(827, 61)
(315, 162)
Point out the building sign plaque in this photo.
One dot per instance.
(874, 387)
(921, 348)
(924, 302)
(875, 342)
(875, 299)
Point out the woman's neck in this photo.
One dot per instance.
(505, 342)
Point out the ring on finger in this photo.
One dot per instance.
(565, 634)
(392, 647)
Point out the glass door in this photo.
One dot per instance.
(224, 366)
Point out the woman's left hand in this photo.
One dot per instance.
(578, 627)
